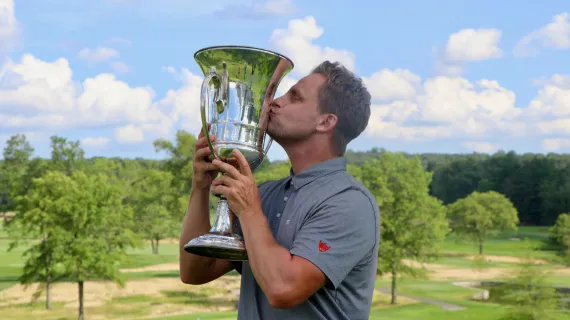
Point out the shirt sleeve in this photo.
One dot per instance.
(339, 234)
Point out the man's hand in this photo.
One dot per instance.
(237, 185)
(204, 171)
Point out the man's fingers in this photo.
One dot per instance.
(224, 180)
(243, 164)
(201, 134)
(201, 142)
(227, 168)
(220, 190)
(202, 153)
(206, 166)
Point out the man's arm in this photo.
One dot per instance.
(286, 280)
(334, 239)
(195, 269)
(329, 244)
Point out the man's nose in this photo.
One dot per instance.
(276, 103)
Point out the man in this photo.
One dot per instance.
(312, 238)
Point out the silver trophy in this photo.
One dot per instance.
(240, 83)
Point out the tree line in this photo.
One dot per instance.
(78, 216)
(538, 185)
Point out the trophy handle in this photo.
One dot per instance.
(266, 150)
(215, 79)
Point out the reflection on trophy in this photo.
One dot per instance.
(240, 83)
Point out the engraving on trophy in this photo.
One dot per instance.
(240, 82)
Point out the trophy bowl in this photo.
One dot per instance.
(239, 85)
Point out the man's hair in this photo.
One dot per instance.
(346, 96)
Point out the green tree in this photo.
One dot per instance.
(482, 214)
(158, 209)
(560, 233)
(13, 169)
(95, 229)
(37, 217)
(528, 295)
(413, 224)
(66, 156)
(273, 171)
(180, 158)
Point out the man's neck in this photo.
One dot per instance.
(307, 154)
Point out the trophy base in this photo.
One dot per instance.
(218, 246)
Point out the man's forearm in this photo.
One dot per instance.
(270, 262)
(196, 222)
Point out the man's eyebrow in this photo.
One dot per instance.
(296, 91)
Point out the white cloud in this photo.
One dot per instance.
(447, 107)
(9, 27)
(466, 46)
(559, 80)
(185, 101)
(473, 45)
(120, 67)
(454, 107)
(393, 85)
(552, 145)
(405, 107)
(37, 85)
(99, 54)
(296, 42)
(456, 99)
(95, 142)
(41, 121)
(482, 147)
(553, 98)
(276, 7)
(108, 100)
(556, 34)
(557, 126)
(129, 134)
(39, 95)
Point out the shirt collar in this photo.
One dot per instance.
(316, 171)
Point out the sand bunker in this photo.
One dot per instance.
(506, 259)
(156, 267)
(467, 274)
(98, 292)
(429, 266)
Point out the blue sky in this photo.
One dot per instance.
(445, 76)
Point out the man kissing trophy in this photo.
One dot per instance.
(240, 83)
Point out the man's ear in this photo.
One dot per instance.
(327, 122)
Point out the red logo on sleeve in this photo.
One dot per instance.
(323, 246)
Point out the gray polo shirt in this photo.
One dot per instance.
(329, 218)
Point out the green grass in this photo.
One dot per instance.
(138, 306)
(142, 257)
(10, 264)
(203, 316)
(504, 244)
(430, 312)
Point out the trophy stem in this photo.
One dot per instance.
(222, 241)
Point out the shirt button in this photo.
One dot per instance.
(285, 198)
(278, 215)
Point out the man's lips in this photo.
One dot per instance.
(271, 114)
